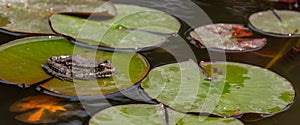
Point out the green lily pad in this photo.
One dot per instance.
(21, 62)
(235, 88)
(32, 15)
(133, 27)
(139, 114)
(267, 23)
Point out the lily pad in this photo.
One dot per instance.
(153, 115)
(228, 37)
(267, 23)
(31, 16)
(133, 27)
(234, 88)
(44, 109)
(21, 62)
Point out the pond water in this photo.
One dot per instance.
(279, 55)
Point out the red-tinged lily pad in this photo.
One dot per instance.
(21, 63)
(44, 109)
(31, 16)
(287, 24)
(137, 114)
(234, 88)
(133, 27)
(228, 37)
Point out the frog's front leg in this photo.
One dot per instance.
(57, 70)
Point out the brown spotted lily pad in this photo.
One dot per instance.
(44, 109)
(228, 37)
(31, 16)
(234, 88)
(21, 63)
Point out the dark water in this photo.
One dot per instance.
(192, 14)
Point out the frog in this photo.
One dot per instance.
(70, 67)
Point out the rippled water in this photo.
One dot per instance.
(192, 13)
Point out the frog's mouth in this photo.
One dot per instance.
(105, 70)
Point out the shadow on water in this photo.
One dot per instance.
(232, 11)
(280, 55)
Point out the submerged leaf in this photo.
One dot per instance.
(153, 115)
(234, 88)
(133, 27)
(44, 109)
(18, 12)
(21, 62)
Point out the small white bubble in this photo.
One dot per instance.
(8, 5)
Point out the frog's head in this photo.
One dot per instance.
(105, 69)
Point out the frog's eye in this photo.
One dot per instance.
(102, 65)
(53, 58)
